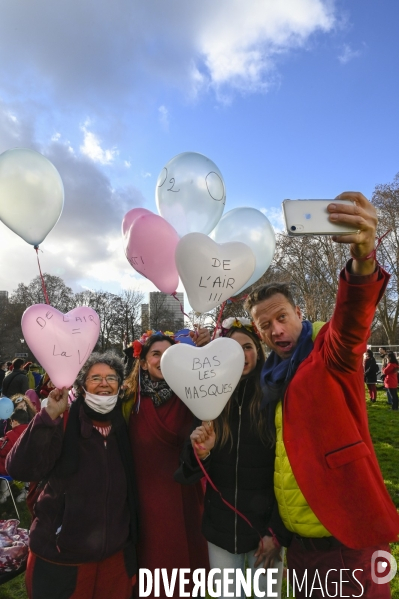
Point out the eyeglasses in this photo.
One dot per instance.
(97, 379)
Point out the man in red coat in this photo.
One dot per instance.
(329, 487)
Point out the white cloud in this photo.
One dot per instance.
(348, 54)
(275, 216)
(164, 117)
(12, 117)
(86, 243)
(91, 148)
(145, 175)
(127, 48)
(127, 163)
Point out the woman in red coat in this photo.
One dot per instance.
(170, 513)
(391, 379)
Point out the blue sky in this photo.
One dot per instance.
(293, 99)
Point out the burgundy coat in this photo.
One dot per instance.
(83, 517)
(170, 513)
(325, 424)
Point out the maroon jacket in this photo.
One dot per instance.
(325, 424)
(7, 443)
(83, 517)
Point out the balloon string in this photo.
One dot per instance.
(181, 308)
(219, 319)
(214, 487)
(41, 276)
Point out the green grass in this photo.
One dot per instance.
(384, 428)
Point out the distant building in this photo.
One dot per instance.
(145, 318)
(3, 297)
(165, 312)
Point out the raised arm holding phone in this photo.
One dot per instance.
(328, 485)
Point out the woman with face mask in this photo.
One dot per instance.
(159, 422)
(82, 539)
(238, 453)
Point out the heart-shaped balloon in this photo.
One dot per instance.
(31, 194)
(252, 227)
(211, 272)
(204, 377)
(130, 217)
(150, 244)
(60, 342)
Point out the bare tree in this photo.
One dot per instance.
(313, 265)
(386, 200)
(131, 313)
(60, 296)
(108, 307)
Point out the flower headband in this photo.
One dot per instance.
(138, 344)
(238, 322)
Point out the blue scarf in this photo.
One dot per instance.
(277, 373)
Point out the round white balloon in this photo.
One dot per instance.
(190, 193)
(204, 377)
(31, 194)
(211, 272)
(253, 228)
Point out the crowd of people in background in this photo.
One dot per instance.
(387, 374)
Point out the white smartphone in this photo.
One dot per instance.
(310, 217)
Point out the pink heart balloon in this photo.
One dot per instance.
(130, 217)
(150, 245)
(60, 342)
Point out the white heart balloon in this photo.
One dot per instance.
(31, 194)
(204, 377)
(211, 272)
(253, 228)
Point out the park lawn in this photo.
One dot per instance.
(384, 428)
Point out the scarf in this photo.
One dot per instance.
(277, 373)
(158, 391)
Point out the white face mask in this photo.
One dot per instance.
(101, 403)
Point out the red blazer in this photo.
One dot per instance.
(391, 378)
(325, 424)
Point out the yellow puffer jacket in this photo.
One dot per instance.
(293, 507)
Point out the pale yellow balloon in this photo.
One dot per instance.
(31, 194)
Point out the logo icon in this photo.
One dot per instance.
(383, 567)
